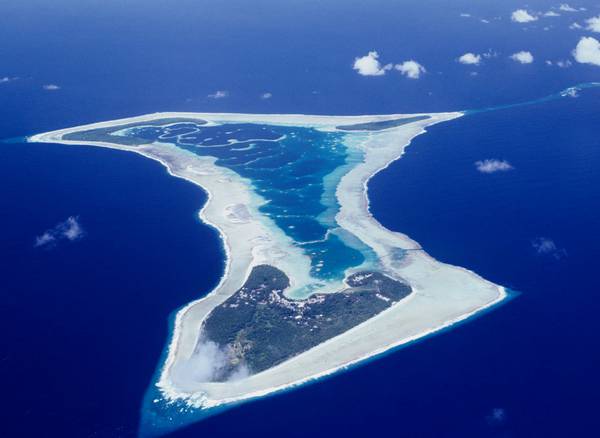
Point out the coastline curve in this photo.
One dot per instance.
(443, 295)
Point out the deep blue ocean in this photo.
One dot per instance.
(84, 322)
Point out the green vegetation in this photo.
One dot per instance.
(258, 327)
(378, 126)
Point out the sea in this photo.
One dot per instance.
(85, 320)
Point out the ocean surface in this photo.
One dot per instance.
(84, 322)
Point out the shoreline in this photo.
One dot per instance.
(356, 219)
(503, 295)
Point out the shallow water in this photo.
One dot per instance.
(294, 169)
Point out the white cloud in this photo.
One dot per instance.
(490, 54)
(593, 24)
(523, 57)
(208, 363)
(575, 26)
(70, 230)
(492, 166)
(587, 51)
(7, 79)
(522, 16)
(204, 365)
(369, 65)
(496, 416)
(266, 96)
(483, 20)
(561, 63)
(219, 94)
(564, 63)
(551, 14)
(570, 92)
(546, 246)
(470, 58)
(465, 15)
(51, 87)
(44, 239)
(567, 8)
(411, 69)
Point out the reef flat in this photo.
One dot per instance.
(313, 283)
(106, 134)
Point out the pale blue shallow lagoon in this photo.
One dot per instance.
(294, 169)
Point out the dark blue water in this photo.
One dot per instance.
(84, 323)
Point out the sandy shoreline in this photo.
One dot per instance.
(444, 294)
